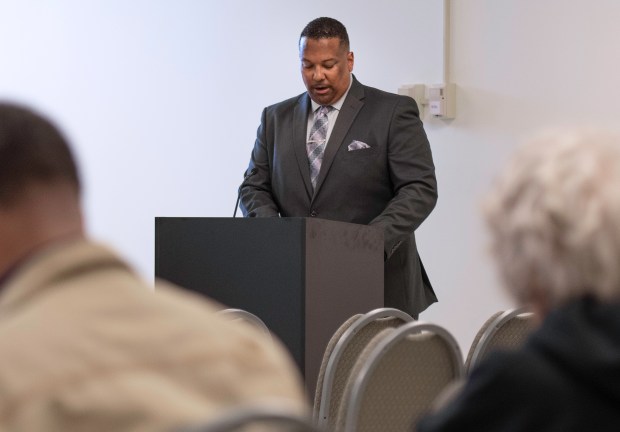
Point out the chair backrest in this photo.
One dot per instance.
(398, 377)
(340, 361)
(326, 355)
(503, 330)
(247, 317)
(257, 418)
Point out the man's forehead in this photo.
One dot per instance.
(327, 47)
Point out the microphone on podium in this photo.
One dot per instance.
(245, 178)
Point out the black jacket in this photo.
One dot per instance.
(390, 184)
(565, 378)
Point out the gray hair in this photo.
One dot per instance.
(554, 217)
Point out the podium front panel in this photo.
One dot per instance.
(255, 264)
(302, 276)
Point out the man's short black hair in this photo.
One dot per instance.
(32, 150)
(324, 27)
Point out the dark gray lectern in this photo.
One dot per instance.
(302, 276)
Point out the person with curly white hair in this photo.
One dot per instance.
(554, 220)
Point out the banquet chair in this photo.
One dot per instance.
(397, 378)
(343, 349)
(247, 317)
(257, 418)
(503, 330)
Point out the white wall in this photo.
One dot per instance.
(520, 66)
(162, 99)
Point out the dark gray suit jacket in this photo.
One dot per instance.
(391, 184)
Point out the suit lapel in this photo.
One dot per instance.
(300, 124)
(351, 106)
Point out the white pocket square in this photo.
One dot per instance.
(358, 145)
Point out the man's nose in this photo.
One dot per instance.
(319, 74)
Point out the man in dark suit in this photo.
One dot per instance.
(364, 159)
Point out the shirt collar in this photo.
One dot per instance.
(339, 102)
(14, 268)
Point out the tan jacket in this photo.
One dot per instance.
(85, 345)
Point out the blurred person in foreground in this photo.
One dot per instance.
(85, 344)
(554, 219)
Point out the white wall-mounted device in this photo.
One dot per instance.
(416, 91)
(437, 99)
(442, 100)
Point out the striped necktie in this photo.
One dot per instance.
(317, 141)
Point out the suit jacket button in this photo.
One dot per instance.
(313, 213)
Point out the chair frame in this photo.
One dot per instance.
(487, 336)
(245, 415)
(361, 381)
(242, 314)
(341, 345)
(318, 401)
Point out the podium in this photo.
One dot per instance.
(302, 276)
